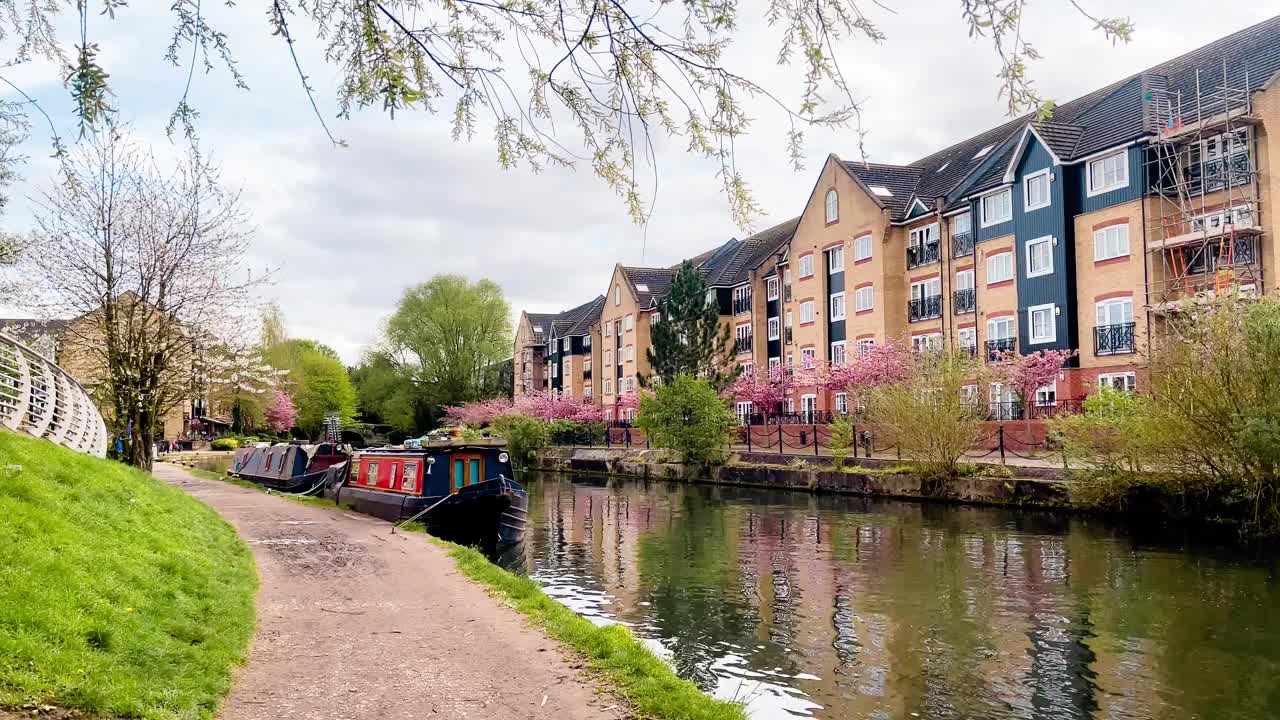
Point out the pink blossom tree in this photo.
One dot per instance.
(764, 388)
(881, 365)
(281, 414)
(1026, 374)
(477, 414)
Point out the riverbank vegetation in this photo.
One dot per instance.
(119, 596)
(642, 678)
(1206, 435)
(688, 415)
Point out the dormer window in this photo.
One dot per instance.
(833, 207)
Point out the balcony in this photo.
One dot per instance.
(924, 308)
(996, 349)
(962, 245)
(918, 255)
(742, 345)
(964, 301)
(1113, 339)
(741, 305)
(970, 350)
(786, 293)
(787, 334)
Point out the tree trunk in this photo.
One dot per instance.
(139, 452)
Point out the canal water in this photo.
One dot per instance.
(837, 607)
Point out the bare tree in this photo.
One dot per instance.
(148, 257)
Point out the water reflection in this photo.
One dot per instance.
(849, 608)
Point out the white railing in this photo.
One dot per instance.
(40, 399)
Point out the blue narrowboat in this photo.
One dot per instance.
(288, 467)
(460, 490)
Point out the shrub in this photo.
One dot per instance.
(574, 432)
(841, 440)
(688, 415)
(525, 436)
(225, 443)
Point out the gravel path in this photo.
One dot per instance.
(356, 623)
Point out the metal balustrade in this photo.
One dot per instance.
(40, 399)
(922, 254)
(924, 308)
(962, 244)
(1113, 339)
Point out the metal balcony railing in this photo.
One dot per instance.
(1113, 339)
(742, 345)
(741, 305)
(918, 255)
(42, 400)
(962, 244)
(924, 308)
(998, 347)
(964, 301)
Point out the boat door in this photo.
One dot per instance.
(465, 470)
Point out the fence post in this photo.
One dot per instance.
(748, 434)
(608, 436)
(782, 449)
(1001, 434)
(815, 439)
(627, 436)
(855, 441)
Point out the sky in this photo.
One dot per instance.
(349, 229)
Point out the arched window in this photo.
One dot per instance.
(833, 209)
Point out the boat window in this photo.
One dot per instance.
(395, 475)
(267, 464)
(475, 472)
(283, 455)
(411, 476)
(372, 477)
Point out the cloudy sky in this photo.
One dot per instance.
(352, 227)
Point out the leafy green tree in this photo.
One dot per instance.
(387, 395)
(689, 339)
(525, 436)
(688, 415)
(320, 386)
(448, 334)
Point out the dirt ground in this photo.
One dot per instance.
(356, 623)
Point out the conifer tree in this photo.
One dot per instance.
(688, 339)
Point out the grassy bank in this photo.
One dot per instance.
(648, 683)
(119, 596)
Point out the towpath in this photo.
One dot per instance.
(355, 623)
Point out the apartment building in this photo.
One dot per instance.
(1084, 231)
(529, 364)
(570, 353)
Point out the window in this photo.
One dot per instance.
(608, 329)
(833, 206)
(1040, 257)
(608, 387)
(964, 280)
(1115, 312)
(926, 288)
(711, 296)
(617, 294)
(655, 318)
(963, 224)
(806, 312)
(608, 358)
(866, 345)
(410, 483)
(880, 191)
(586, 392)
(1111, 242)
(748, 368)
(983, 152)
(835, 260)
(631, 353)
(968, 339)
(586, 342)
(864, 298)
(774, 363)
(807, 357)
(629, 323)
(775, 329)
(1004, 402)
(837, 307)
(926, 235)
(786, 284)
(997, 208)
(1215, 222)
(771, 288)
(567, 391)
(372, 477)
(809, 407)
(1041, 319)
(922, 343)
(806, 266)
(969, 396)
(837, 353)
(1108, 173)
(1035, 190)
(862, 248)
(1126, 382)
(742, 299)
(999, 268)
(631, 384)
(1000, 328)
(555, 370)
(789, 323)
(742, 337)
(1047, 395)
(842, 403)
(743, 412)
(568, 367)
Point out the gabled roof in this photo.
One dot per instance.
(734, 268)
(573, 322)
(1107, 117)
(541, 320)
(649, 283)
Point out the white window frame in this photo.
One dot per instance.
(1102, 242)
(806, 305)
(968, 337)
(1130, 380)
(843, 356)
(1045, 240)
(1102, 309)
(1047, 174)
(956, 224)
(586, 341)
(806, 266)
(608, 358)
(842, 403)
(608, 329)
(555, 370)
(774, 327)
(771, 288)
(743, 332)
(808, 357)
(864, 298)
(836, 307)
(748, 367)
(631, 385)
(629, 322)
(922, 236)
(1122, 173)
(926, 341)
(866, 345)
(608, 387)
(1008, 204)
(1052, 309)
(1043, 393)
(965, 279)
(862, 249)
(809, 406)
(1003, 321)
(617, 294)
(743, 411)
(999, 256)
(711, 296)
(835, 259)
(832, 207)
(774, 363)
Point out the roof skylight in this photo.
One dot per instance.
(642, 287)
(944, 166)
(880, 190)
(983, 151)
(537, 328)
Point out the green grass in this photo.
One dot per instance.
(119, 595)
(648, 683)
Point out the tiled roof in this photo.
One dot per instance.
(649, 283)
(576, 321)
(541, 320)
(732, 268)
(1109, 116)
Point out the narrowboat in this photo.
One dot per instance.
(287, 467)
(460, 490)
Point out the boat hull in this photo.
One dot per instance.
(491, 513)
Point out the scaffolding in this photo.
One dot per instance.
(1204, 223)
